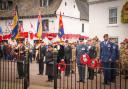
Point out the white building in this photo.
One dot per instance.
(105, 17)
(74, 12)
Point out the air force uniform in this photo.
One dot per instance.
(105, 57)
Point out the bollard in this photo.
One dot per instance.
(55, 68)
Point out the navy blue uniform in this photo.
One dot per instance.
(105, 56)
(114, 57)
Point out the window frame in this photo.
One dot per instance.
(112, 17)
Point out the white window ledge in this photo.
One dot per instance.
(112, 25)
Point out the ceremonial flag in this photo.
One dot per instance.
(39, 26)
(61, 29)
(1, 32)
(15, 24)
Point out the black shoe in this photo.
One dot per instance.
(81, 81)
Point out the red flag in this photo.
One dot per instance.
(24, 34)
(0, 38)
(31, 35)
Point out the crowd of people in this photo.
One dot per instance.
(106, 53)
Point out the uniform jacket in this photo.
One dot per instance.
(115, 52)
(60, 54)
(67, 53)
(92, 52)
(105, 51)
(80, 50)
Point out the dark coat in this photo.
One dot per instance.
(49, 63)
(115, 52)
(67, 54)
(60, 54)
(92, 52)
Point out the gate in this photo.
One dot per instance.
(61, 81)
(9, 74)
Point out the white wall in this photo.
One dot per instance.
(98, 20)
(69, 9)
(72, 24)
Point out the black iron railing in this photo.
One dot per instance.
(9, 78)
(71, 81)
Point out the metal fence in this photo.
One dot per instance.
(9, 78)
(71, 81)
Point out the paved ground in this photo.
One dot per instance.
(8, 74)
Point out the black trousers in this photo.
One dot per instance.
(41, 66)
(113, 71)
(20, 69)
(68, 68)
(90, 73)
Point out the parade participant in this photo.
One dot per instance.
(67, 57)
(125, 62)
(41, 60)
(114, 59)
(122, 56)
(20, 52)
(92, 54)
(37, 51)
(80, 50)
(60, 56)
(49, 63)
(105, 57)
(73, 57)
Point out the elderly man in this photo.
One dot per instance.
(80, 50)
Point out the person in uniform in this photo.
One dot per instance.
(20, 52)
(125, 62)
(41, 60)
(60, 56)
(114, 59)
(49, 63)
(92, 54)
(67, 57)
(105, 57)
(73, 57)
(122, 56)
(80, 50)
(37, 51)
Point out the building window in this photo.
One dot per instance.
(82, 27)
(113, 16)
(44, 3)
(6, 4)
(45, 24)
